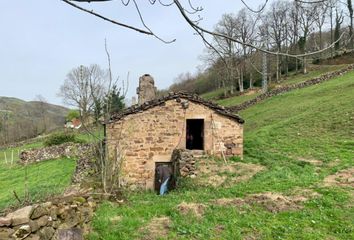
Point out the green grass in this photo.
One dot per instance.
(315, 71)
(315, 122)
(232, 101)
(43, 179)
(213, 94)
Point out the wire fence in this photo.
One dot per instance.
(22, 184)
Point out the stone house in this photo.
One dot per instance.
(145, 135)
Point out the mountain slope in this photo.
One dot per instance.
(21, 119)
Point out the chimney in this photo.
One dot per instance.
(146, 90)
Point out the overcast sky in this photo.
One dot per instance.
(41, 41)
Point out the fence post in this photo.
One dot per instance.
(12, 156)
(5, 157)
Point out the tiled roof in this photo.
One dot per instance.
(177, 96)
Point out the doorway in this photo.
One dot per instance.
(195, 134)
(172, 180)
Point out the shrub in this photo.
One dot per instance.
(60, 138)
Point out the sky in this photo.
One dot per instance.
(41, 41)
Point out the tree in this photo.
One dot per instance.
(43, 104)
(320, 19)
(306, 19)
(114, 101)
(339, 20)
(350, 9)
(277, 28)
(82, 87)
(188, 12)
(72, 114)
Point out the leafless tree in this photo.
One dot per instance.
(43, 110)
(82, 86)
(276, 19)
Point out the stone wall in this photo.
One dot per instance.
(147, 137)
(84, 153)
(288, 88)
(65, 218)
(184, 163)
(53, 152)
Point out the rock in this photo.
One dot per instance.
(46, 233)
(5, 233)
(70, 234)
(34, 225)
(22, 232)
(47, 205)
(42, 221)
(5, 221)
(54, 213)
(39, 211)
(86, 214)
(33, 237)
(21, 216)
(55, 224)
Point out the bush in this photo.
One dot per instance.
(60, 138)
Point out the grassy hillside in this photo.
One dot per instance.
(301, 139)
(293, 78)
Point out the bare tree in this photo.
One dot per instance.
(306, 20)
(188, 12)
(82, 86)
(338, 21)
(43, 110)
(277, 29)
(350, 10)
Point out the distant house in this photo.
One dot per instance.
(145, 135)
(73, 124)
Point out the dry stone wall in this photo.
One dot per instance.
(61, 219)
(184, 163)
(85, 154)
(288, 88)
(53, 152)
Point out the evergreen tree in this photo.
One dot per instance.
(114, 102)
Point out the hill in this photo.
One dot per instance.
(21, 120)
(302, 143)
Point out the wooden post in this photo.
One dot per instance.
(12, 157)
(5, 157)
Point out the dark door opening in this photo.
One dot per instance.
(195, 134)
(171, 181)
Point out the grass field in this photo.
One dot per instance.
(300, 138)
(43, 179)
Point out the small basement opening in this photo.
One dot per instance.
(172, 180)
(195, 134)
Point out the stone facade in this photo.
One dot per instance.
(146, 90)
(149, 135)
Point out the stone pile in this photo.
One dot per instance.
(65, 218)
(287, 88)
(184, 163)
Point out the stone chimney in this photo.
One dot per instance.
(146, 90)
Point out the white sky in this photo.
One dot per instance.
(41, 41)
